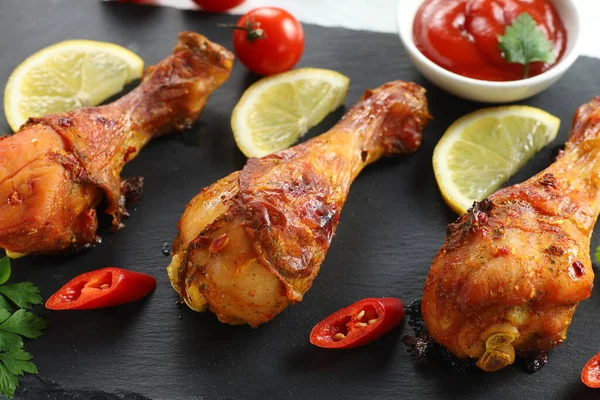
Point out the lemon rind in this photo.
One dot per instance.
(453, 197)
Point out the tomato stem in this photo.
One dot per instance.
(252, 29)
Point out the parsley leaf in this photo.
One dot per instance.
(8, 382)
(524, 42)
(23, 294)
(17, 362)
(597, 254)
(4, 315)
(13, 364)
(24, 323)
(4, 269)
(4, 305)
(14, 360)
(8, 340)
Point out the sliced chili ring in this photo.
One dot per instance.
(358, 324)
(104, 287)
(590, 375)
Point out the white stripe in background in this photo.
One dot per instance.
(380, 15)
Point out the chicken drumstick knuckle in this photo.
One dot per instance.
(253, 242)
(56, 169)
(513, 269)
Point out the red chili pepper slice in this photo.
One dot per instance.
(104, 287)
(590, 375)
(358, 324)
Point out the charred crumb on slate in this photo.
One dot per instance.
(418, 347)
(178, 304)
(415, 318)
(534, 362)
(166, 248)
(421, 344)
(180, 317)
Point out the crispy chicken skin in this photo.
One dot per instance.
(252, 243)
(513, 269)
(55, 170)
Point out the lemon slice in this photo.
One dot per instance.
(483, 149)
(276, 111)
(68, 75)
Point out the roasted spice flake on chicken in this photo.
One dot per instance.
(252, 243)
(55, 170)
(513, 269)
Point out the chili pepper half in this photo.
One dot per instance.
(104, 287)
(590, 375)
(358, 324)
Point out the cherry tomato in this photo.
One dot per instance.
(591, 372)
(218, 5)
(268, 40)
(358, 324)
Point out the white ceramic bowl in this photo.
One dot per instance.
(489, 91)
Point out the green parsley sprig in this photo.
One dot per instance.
(14, 326)
(524, 42)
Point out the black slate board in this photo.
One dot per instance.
(391, 227)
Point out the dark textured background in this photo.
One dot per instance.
(390, 229)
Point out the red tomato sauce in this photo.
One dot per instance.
(462, 35)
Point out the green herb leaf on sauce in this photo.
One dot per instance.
(524, 42)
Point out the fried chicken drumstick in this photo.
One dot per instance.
(513, 269)
(56, 169)
(252, 243)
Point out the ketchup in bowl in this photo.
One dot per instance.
(462, 35)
